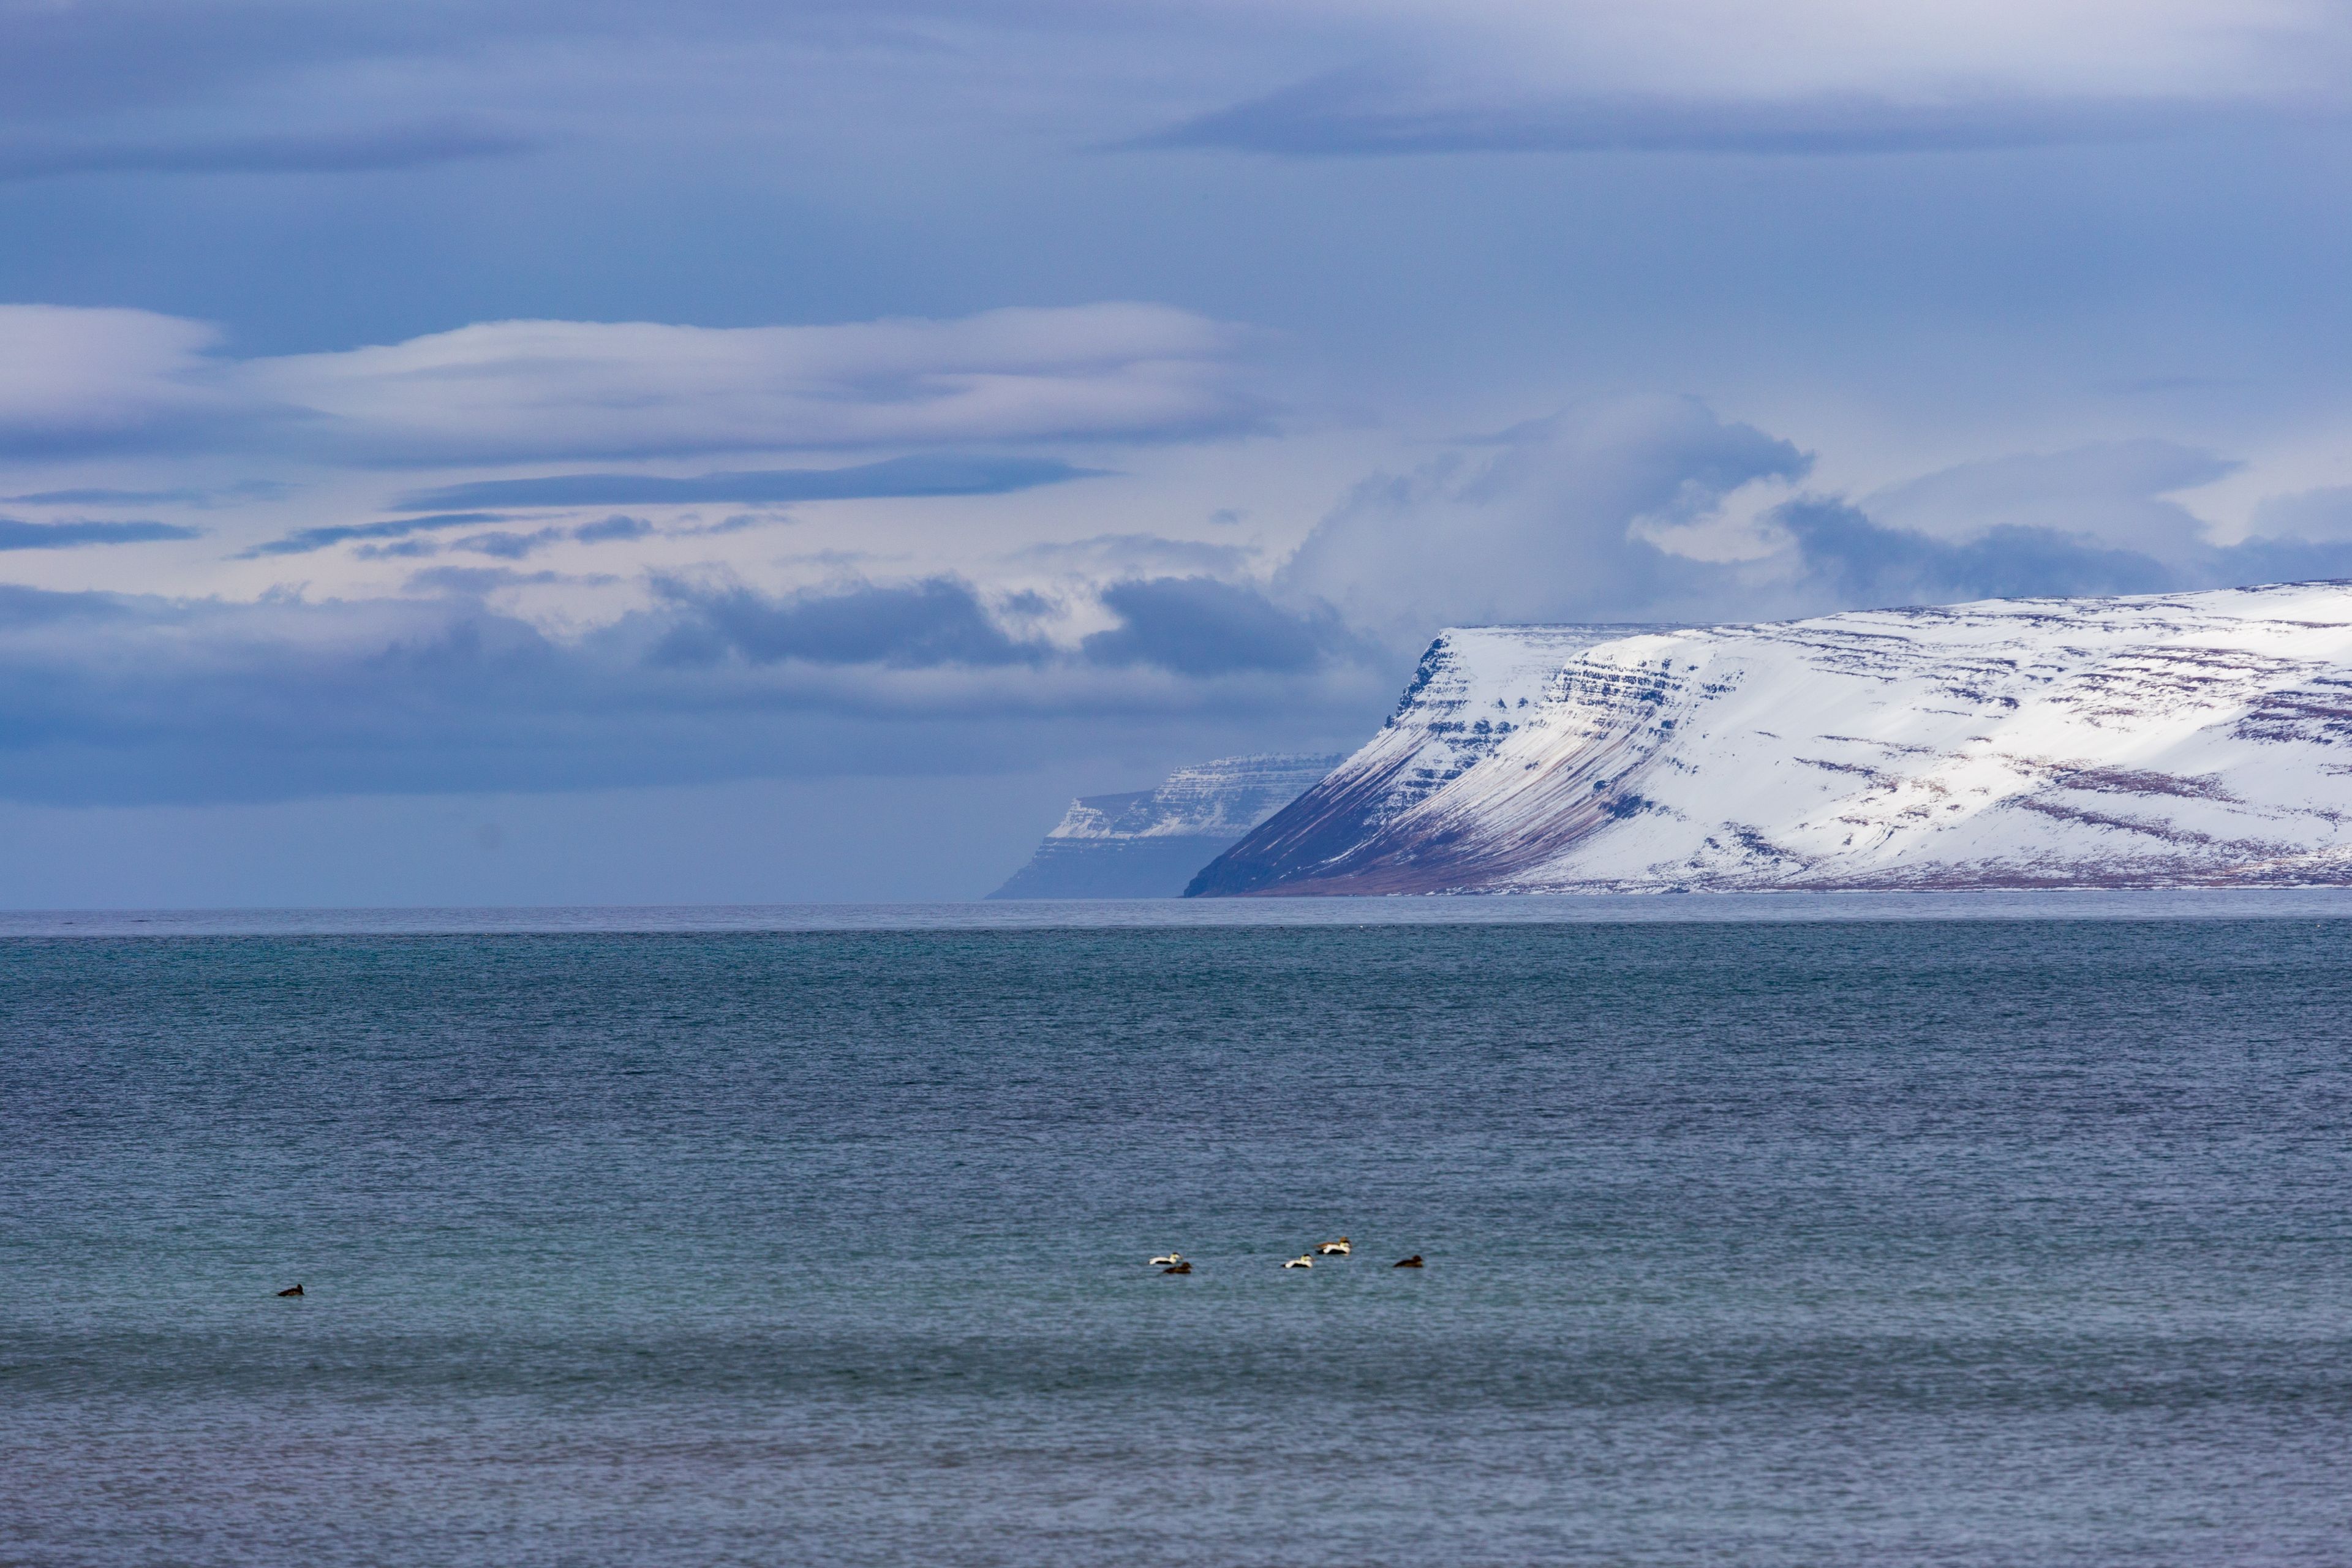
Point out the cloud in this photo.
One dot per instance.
(1858, 563)
(1129, 554)
(226, 495)
(1542, 526)
(75, 380)
(938, 621)
(940, 474)
(304, 540)
(1353, 115)
(1848, 560)
(2322, 514)
(1653, 508)
(112, 54)
(508, 547)
(99, 496)
(473, 582)
(519, 390)
(737, 523)
(404, 146)
(536, 391)
(619, 526)
(2279, 561)
(514, 546)
(2117, 493)
(1201, 626)
(108, 699)
(18, 534)
(301, 542)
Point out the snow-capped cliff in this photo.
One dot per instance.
(1148, 843)
(1476, 687)
(2168, 741)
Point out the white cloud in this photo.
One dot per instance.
(517, 391)
(91, 377)
(1935, 47)
(1555, 525)
(1813, 77)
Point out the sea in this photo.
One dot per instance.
(1850, 1229)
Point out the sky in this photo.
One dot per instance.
(514, 452)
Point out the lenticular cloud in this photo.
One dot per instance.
(517, 391)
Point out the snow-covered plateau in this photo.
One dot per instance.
(1147, 844)
(2185, 739)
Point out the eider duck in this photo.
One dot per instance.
(296, 1290)
(1301, 1261)
(1167, 1258)
(1180, 1267)
(1412, 1262)
(1331, 1249)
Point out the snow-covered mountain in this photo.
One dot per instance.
(1148, 844)
(2185, 739)
(1475, 688)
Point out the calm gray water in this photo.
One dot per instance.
(1867, 1240)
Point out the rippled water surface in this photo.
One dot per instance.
(1866, 1241)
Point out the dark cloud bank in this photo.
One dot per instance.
(108, 698)
(1201, 626)
(1851, 560)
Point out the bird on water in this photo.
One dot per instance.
(1301, 1261)
(1333, 1248)
(1178, 1267)
(296, 1290)
(1412, 1262)
(1169, 1259)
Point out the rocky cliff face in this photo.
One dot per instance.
(2174, 741)
(1147, 844)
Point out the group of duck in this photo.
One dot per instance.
(1177, 1263)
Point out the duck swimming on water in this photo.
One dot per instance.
(1412, 1262)
(1333, 1248)
(1169, 1259)
(1301, 1261)
(296, 1290)
(1178, 1267)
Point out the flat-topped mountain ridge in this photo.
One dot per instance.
(1146, 843)
(2183, 740)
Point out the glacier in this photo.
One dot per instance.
(1146, 843)
(2162, 740)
